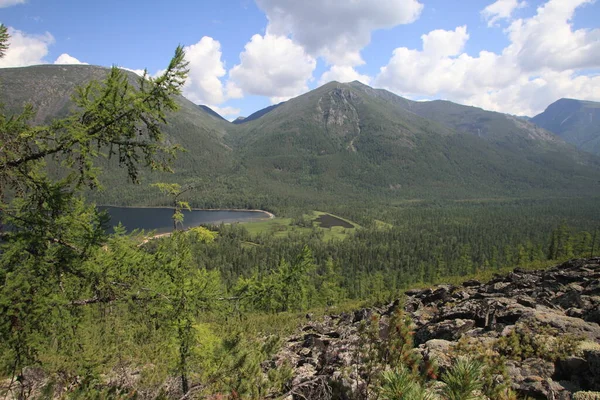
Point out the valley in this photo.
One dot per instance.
(369, 200)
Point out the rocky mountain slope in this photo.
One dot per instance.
(542, 326)
(575, 121)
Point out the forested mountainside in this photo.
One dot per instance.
(344, 142)
(49, 89)
(575, 121)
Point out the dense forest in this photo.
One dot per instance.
(87, 314)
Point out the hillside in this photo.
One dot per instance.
(575, 121)
(350, 138)
(256, 115)
(340, 143)
(200, 132)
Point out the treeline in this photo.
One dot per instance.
(429, 245)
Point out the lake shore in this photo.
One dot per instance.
(146, 239)
(269, 214)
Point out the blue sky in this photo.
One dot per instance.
(245, 55)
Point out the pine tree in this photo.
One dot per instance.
(46, 273)
(3, 40)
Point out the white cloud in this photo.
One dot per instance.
(441, 43)
(501, 9)
(25, 49)
(336, 29)
(272, 66)
(204, 85)
(230, 112)
(343, 74)
(548, 39)
(9, 3)
(67, 59)
(139, 72)
(545, 60)
(530, 96)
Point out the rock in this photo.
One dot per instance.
(443, 292)
(438, 350)
(564, 324)
(362, 315)
(326, 355)
(593, 359)
(447, 330)
(571, 367)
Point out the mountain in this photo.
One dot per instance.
(199, 131)
(467, 119)
(338, 144)
(256, 115)
(211, 111)
(576, 121)
(353, 139)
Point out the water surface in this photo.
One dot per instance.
(160, 219)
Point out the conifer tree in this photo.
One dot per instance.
(44, 270)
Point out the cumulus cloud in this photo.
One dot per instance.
(544, 61)
(343, 74)
(548, 39)
(441, 43)
(272, 66)
(25, 49)
(64, 58)
(9, 3)
(336, 29)
(501, 9)
(230, 112)
(204, 85)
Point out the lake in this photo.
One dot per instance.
(160, 219)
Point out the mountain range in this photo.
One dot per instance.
(345, 142)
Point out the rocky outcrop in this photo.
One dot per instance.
(544, 322)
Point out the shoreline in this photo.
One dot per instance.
(270, 215)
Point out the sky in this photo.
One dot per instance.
(512, 56)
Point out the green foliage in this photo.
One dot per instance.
(537, 341)
(393, 365)
(49, 258)
(402, 384)
(494, 377)
(4, 36)
(463, 380)
(287, 288)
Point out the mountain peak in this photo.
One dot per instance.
(576, 121)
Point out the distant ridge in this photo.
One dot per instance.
(211, 111)
(575, 121)
(256, 115)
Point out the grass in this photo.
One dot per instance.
(282, 227)
(382, 225)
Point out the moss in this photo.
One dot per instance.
(539, 342)
(586, 396)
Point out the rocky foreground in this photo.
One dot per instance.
(541, 325)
